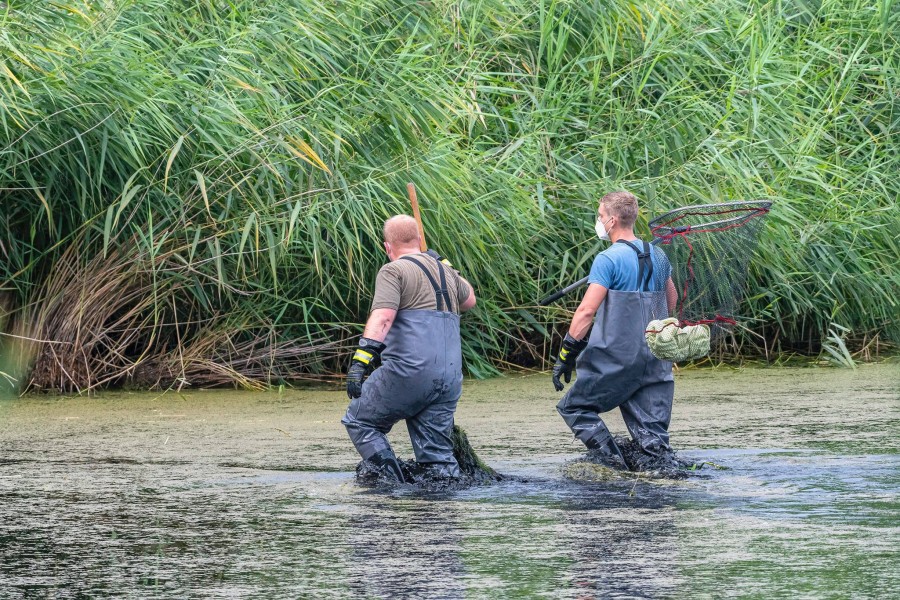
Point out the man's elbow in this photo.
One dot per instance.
(585, 312)
(468, 304)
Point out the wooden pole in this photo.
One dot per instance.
(411, 188)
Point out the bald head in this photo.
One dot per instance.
(401, 231)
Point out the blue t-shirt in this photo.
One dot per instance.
(616, 268)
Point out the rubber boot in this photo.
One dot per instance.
(387, 462)
(655, 457)
(603, 449)
(439, 470)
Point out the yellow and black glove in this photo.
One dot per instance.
(565, 362)
(366, 359)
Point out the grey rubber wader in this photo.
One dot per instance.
(616, 369)
(420, 380)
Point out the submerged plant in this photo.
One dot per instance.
(469, 462)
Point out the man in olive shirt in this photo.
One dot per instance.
(413, 334)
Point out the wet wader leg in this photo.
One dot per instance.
(366, 427)
(586, 424)
(431, 432)
(370, 440)
(647, 414)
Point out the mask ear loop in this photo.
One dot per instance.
(605, 230)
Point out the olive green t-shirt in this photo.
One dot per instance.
(401, 285)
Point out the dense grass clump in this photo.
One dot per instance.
(192, 191)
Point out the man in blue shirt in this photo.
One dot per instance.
(629, 285)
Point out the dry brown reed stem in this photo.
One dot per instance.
(101, 321)
(88, 316)
(227, 355)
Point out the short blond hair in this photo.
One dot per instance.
(401, 230)
(623, 206)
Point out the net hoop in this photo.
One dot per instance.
(665, 227)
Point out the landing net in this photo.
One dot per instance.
(709, 247)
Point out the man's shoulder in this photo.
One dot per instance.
(615, 252)
(396, 268)
(658, 253)
(391, 271)
(388, 268)
(620, 248)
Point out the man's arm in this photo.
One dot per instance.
(671, 295)
(385, 303)
(584, 314)
(379, 323)
(367, 357)
(574, 342)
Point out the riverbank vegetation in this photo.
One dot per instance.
(192, 192)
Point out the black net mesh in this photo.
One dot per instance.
(659, 306)
(709, 247)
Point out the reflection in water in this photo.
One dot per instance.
(623, 541)
(218, 494)
(412, 547)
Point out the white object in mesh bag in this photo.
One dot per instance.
(668, 341)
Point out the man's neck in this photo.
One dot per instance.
(628, 236)
(405, 251)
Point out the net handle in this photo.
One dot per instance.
(571, 288)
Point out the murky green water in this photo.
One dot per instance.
(224, 494)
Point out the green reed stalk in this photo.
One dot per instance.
(267, 141)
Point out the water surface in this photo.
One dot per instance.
(231, 494)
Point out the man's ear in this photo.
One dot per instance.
(387, 249)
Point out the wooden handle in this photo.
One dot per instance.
(411, 188)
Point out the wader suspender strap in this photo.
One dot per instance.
(645, 263)
(439, 292)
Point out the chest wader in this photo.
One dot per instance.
(616, 369)
(420, 380)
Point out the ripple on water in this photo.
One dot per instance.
(253, 494)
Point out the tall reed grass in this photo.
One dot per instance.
(203, 183)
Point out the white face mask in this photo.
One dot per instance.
(600, 228)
